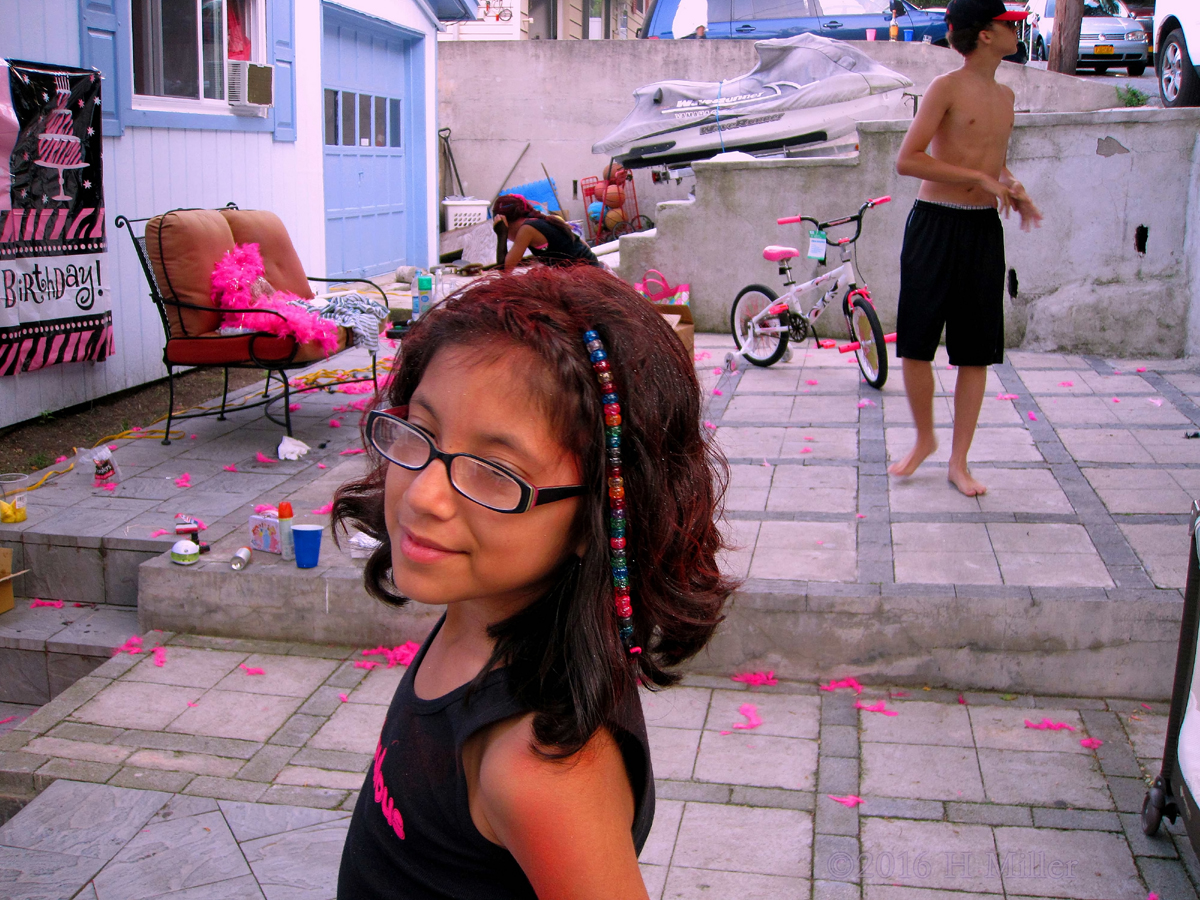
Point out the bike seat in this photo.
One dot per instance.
(777, 254)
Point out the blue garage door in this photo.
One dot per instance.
(368, 119)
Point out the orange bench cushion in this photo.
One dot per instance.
(263, 227)
(183, 247)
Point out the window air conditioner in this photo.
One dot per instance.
(251, 87)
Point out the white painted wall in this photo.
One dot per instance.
(150, 170)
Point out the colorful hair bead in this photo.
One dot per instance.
(615, 482)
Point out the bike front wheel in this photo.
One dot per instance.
(761, 349)
(872, 351)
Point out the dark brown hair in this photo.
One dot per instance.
(564, 654)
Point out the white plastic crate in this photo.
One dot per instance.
(464, 213)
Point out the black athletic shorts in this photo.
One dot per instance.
(952, 275)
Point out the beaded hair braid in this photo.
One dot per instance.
(616, 487)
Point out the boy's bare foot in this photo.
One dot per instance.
(965, 482)
(915, 457)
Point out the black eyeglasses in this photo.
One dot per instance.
(486, 483)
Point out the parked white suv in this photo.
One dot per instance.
(1109, 36)
(1177, 56)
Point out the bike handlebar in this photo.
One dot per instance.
(846, 220)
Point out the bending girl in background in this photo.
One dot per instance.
(548, 238)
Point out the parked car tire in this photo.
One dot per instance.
(1178, 83)
(1136, 69)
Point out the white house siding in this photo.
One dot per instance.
(151, 170)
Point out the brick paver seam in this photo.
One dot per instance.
(1121, 562)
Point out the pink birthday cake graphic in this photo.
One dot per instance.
(58, 147)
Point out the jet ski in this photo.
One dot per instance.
(805, 89)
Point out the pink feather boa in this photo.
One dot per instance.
(238, 283)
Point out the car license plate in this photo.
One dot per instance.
(1104, 49)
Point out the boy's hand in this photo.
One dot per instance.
(1030, 214)
(1000, 191)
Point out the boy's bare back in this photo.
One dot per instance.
(975, 123)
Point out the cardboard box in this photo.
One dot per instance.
(679, 317)
(7, 575)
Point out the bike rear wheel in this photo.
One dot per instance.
(760, 349)
(872, 351)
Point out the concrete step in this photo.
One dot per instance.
(1081, 642)
(43, 651)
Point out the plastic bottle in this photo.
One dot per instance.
(894, 28)
(287, 546)
(424, 294)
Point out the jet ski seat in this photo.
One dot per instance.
(778, 254)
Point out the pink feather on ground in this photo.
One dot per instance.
(112, 446)
(401, 655)
(806, 450)
(322, 466)
(1154, 401)
(112, 487)
(1066, 384)
(294, 407)
(190, 703)
(865, 403)
(56, 604)
(364, 664)
(263, 458)
(753, 720)
(160, 656)
(1047, 725)
(702, 355)
(232, 467)
(1147, 706)
(131, 646)
(60, 459)
(849, 802)
(1091, 743)
(755, 677)
(1116, 399)
(1006, 396)
(323, 510)
(334, 423)
(1140, 369)
(718, 371)
(850, 682)
(962, 700)
(709, 425)
(717, 392)
(1032, 416)
(7, 719)
(352, 451)
(159, 532)
(880, 707)
(811, 381)
(343, 698)
(251, 670)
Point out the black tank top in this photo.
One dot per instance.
(411, 835)
(560, 246)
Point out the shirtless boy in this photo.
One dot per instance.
(952, 264)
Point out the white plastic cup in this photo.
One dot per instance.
(870, 34)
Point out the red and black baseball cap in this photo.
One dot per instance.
(968, 13)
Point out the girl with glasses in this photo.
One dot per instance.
(540, 473)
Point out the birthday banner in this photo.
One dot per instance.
(54, 301)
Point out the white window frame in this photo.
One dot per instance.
(258, 41)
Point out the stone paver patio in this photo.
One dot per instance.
(196, 780)
(193, 779)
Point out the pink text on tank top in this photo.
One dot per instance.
(383, 798)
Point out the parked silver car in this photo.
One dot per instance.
(1109, 38)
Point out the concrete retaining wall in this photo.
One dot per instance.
(1096, 176)
(563, 96)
